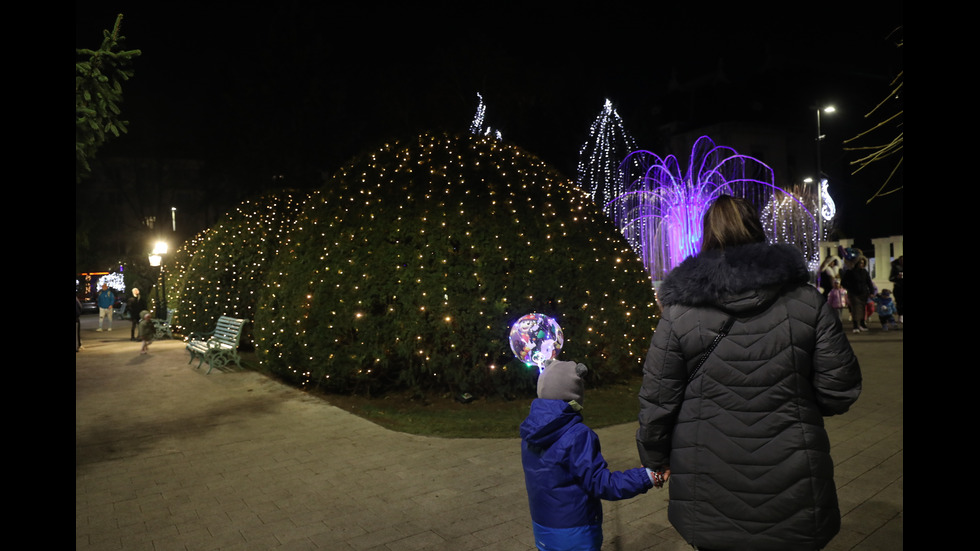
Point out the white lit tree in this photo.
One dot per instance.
(599, 171)
(476, 127)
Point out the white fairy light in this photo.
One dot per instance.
(599, 172)
(477, 128)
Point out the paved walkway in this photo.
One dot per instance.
(167, 458)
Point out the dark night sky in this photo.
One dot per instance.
(299, 85)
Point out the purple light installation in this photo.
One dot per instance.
(661, 207)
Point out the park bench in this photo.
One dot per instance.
(163, 328)
(218, 347)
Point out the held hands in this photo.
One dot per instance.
(660, 476)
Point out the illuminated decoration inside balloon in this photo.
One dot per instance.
(535, 339)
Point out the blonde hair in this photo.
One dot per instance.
(731, 222)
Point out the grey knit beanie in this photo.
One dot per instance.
(562, 381)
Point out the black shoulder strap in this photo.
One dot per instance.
(721, 334)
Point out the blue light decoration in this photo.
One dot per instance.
(535, 339)
(660, 208)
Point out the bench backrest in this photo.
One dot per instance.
(228, 330)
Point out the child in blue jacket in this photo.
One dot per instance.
(564, 471)
(886, 310)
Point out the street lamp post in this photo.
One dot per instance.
(821, 179)
(156, 260)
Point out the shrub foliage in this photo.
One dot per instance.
(218, 272)
(407, 269)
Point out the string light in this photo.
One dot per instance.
(472, 231)
(114, 281)
(409, 265)
(476, 127)
(599, 168)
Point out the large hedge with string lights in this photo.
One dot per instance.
(408, 267)
(220, 271)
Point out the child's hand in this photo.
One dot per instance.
(659, 477)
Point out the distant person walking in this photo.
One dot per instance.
(135, 305)
(885, 306)
(146, 331)
(859, 287)
(106, 300)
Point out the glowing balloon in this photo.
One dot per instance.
(535, 339)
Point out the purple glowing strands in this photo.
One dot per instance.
(535, 339)
(660, 208)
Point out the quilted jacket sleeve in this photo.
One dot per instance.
(661, 395)
(587, 465)
(836, 372)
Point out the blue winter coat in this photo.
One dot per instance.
(886, 306)
(566, 475)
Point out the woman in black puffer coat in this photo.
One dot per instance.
(743, 443)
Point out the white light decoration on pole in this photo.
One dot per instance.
(156, 260)
(828, 209)
(821, 191)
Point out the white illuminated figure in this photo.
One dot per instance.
(827, 208)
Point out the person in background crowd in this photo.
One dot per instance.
(106, 300)
(135, 304)
(885, 307)
(838, 299)
(147, 331)
(859, 287)
(828, 274)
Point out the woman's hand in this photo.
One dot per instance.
(660, 476)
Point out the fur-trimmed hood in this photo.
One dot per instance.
(738, 279)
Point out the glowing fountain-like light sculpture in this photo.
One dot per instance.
(661, 207)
